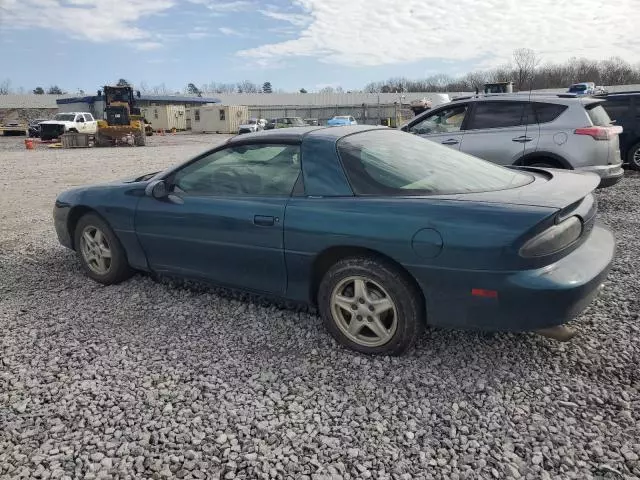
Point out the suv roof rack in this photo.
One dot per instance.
(516, 94)
(622, 92)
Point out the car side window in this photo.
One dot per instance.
(80, 118)
(548, 112)
(262, 170)
(444, 121)
(497, 115)
(88, 117)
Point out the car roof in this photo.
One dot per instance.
(297, 133)
(526, 96)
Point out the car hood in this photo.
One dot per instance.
(550, 188)
(56, 122)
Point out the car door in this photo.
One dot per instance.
(80, 125)
(622, 111)
(497, 131)
(90, 123)
(223, 220)
(444, 125)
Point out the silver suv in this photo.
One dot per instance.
(552, 131)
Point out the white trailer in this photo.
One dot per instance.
(218, 118)
(166, 117)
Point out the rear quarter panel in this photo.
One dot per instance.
(474, 236)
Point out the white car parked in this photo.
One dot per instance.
(252, 125)
(81, 122)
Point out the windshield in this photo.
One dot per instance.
(577, 88)
(390, 162)
(65, 117)
(297, 122)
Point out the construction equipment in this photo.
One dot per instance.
(122, 120)
(498, 87)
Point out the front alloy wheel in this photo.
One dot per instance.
(95, 250)
(101, 254)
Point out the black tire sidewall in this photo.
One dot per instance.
(119, 269)
(403, 293)
(630, 156)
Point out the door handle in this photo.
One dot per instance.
(522, 139)
(264, 221)
(451, 141)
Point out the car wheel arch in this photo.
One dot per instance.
(328, 257)
(76, 213)
(543, 157)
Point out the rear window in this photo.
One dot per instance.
(390, 162)
(548, 112)
(598, 115)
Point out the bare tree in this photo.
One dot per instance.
(247, 86)
(5, 86)
(327, 90)
(160, 89)
(144, 87)
(526, 61)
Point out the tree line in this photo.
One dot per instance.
(526, 73)
(525, 70)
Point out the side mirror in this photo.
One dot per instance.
(156, 189)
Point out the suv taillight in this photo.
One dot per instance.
(599, 133)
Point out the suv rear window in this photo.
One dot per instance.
(598, 115)
(390, 162)
(618, 107)
(548, 112)
(497, 115)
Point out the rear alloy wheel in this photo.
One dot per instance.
(633, 157)
(101, 255)
(370, 306)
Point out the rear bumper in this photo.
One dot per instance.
(526, 300)
(609, 174)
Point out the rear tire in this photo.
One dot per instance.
(102, 256)
(371, 306)
(633, 157)
(544, 163)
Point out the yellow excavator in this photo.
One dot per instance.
(122, 120)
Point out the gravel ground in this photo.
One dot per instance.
(149, 380)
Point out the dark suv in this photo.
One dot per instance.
(553, 131)
(624, 109)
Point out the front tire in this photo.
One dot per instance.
(101, 254)
(633, 157)
(371, 306)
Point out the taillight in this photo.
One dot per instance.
(553, 239)
(600, 133)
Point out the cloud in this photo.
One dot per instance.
(293, 18)
(223, 7)
(381, 32)
(148, 46)
(230, 32)
(93, 20)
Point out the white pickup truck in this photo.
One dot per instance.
(81, 122)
